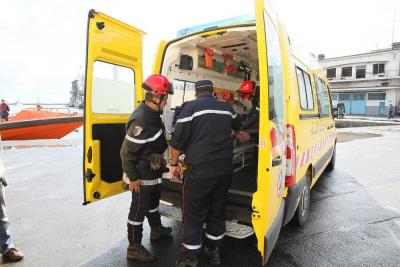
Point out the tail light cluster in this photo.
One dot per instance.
(290, 178)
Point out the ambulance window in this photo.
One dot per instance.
(183, 91)
(113, 89)
(275, 77)
(302, 89)
(305, 90)
(310, 97)
(323, 97)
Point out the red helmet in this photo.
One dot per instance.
(157, 84)
(247, 88)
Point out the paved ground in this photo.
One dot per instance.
(354, 219)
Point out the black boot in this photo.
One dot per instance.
(186, 263)
(212, 254)
(159, 232)
(139, 253)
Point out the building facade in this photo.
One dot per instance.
(368, 83)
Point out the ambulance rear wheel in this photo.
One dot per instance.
(304, 204)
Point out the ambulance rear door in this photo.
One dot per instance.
(113, 73)
(268, 203)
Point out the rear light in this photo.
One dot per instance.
(290, 178)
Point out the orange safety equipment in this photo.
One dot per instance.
(208, 55)
(247, 88)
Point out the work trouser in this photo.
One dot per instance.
(5, 237)
(143, 204)
(204, 201)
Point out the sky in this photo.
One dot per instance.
(43, 42)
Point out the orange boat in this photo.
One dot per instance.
(31, 124)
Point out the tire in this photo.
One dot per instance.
(331, 164)
(304, 204)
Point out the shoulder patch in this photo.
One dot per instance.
(137, 130)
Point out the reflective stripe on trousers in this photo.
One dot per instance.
(142, 182)
(191, 247)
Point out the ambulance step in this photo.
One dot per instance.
(233, 228)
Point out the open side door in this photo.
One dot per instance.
(268, 203)
(113, 72)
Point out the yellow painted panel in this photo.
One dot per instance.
(114, 42)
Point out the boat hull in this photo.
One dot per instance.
(49, 128)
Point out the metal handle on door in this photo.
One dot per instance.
(277, 161)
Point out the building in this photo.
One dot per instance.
(366, 83)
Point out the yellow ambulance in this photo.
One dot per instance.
(292, 144)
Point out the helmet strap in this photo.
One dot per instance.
(159, 103)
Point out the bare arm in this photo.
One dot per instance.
(174, 155)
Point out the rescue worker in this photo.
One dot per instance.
(203, 132)
(4, 109)
(143, 165)
(248, 91)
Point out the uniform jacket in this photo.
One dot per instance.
(203, 130)
(145, 135)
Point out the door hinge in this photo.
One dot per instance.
(89, 155)
(89, 175)
(100, 25)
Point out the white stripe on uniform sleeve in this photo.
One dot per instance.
(206, 111)
(140, 141)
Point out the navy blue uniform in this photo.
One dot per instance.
(203, 133)
(145, 135)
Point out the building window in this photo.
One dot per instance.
(358, 96)
(379, 68)
(334, 97)
(360, 72)
(305, 90)
(331, 73)
(347, 71)
(344, 97)
(376, 96)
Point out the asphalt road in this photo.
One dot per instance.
(354, 218)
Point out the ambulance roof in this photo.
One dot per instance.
(216, 24)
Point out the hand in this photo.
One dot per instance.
(176, 172)
(243, 137)
(134, 186)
